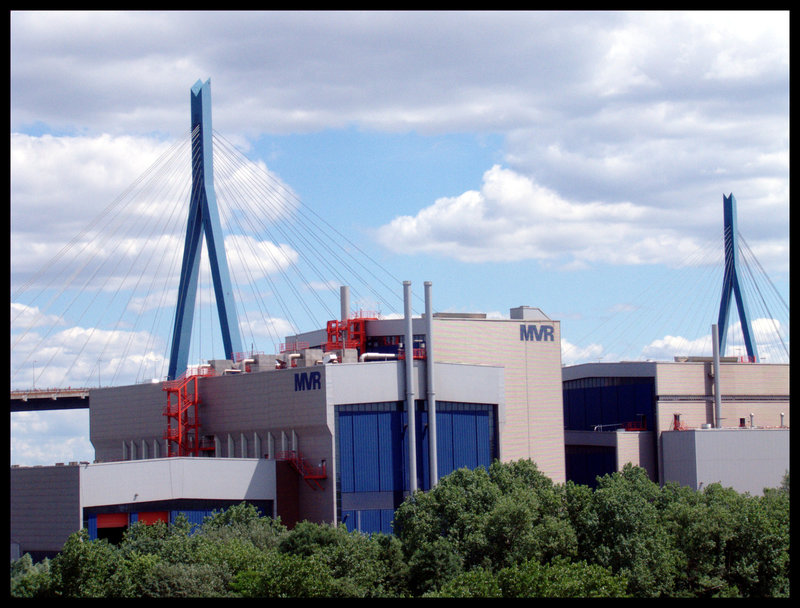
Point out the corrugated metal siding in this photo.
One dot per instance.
(195, 518)
(373, 453)
(371, 447)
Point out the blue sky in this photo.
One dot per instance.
(566, 160)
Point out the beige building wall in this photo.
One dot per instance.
(534, 419)
(687, 389)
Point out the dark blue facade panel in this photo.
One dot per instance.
(606, 402)
(367, 453)
(372, 444)
(609, 406)
(346, 473)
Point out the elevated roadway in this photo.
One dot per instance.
(34, 400)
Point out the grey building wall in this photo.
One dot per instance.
(747, 460)
(127, 414)
(45, 507)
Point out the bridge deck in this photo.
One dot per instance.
(49, 399)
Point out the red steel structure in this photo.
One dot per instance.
(183, 416)
(309, 473)
(348, 334)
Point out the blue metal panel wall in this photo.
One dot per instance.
(371, 447)
(195, 518)
(373, 451)
(369, 520)
(367, 453)
(345, 461)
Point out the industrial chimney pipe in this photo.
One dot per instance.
(717, 396)
(410, 410)
(432, 455)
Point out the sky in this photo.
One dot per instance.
(572, 161)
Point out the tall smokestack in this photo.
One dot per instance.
(410, 410)
(344, 294)
(432, 455)
(717, 396)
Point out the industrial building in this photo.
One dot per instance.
(688, 421)
(317, 432)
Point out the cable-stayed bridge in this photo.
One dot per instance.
(113, 306)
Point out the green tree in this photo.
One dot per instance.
(85, 568)
(701, 526)
(284, 575)
(759, 552)
(532, 579)
(475, 583)
(361, 565)
(560, 579)
(246, 523)
(483, 519)
(622, 531)
(29, 579)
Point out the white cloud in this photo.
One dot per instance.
(513, 218)
(28, 317)
(78, 356)
(260, 258)
(571, 354)
(44, 438)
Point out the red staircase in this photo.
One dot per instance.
(311, 474)
(183, 417)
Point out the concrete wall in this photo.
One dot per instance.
(44, 507)
(747, 460)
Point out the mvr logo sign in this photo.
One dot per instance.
(307, 381)
(536, 333)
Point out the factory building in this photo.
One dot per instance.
(318, 432)
(666, 418)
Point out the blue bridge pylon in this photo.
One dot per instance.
(732, 284)
(203, 219)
